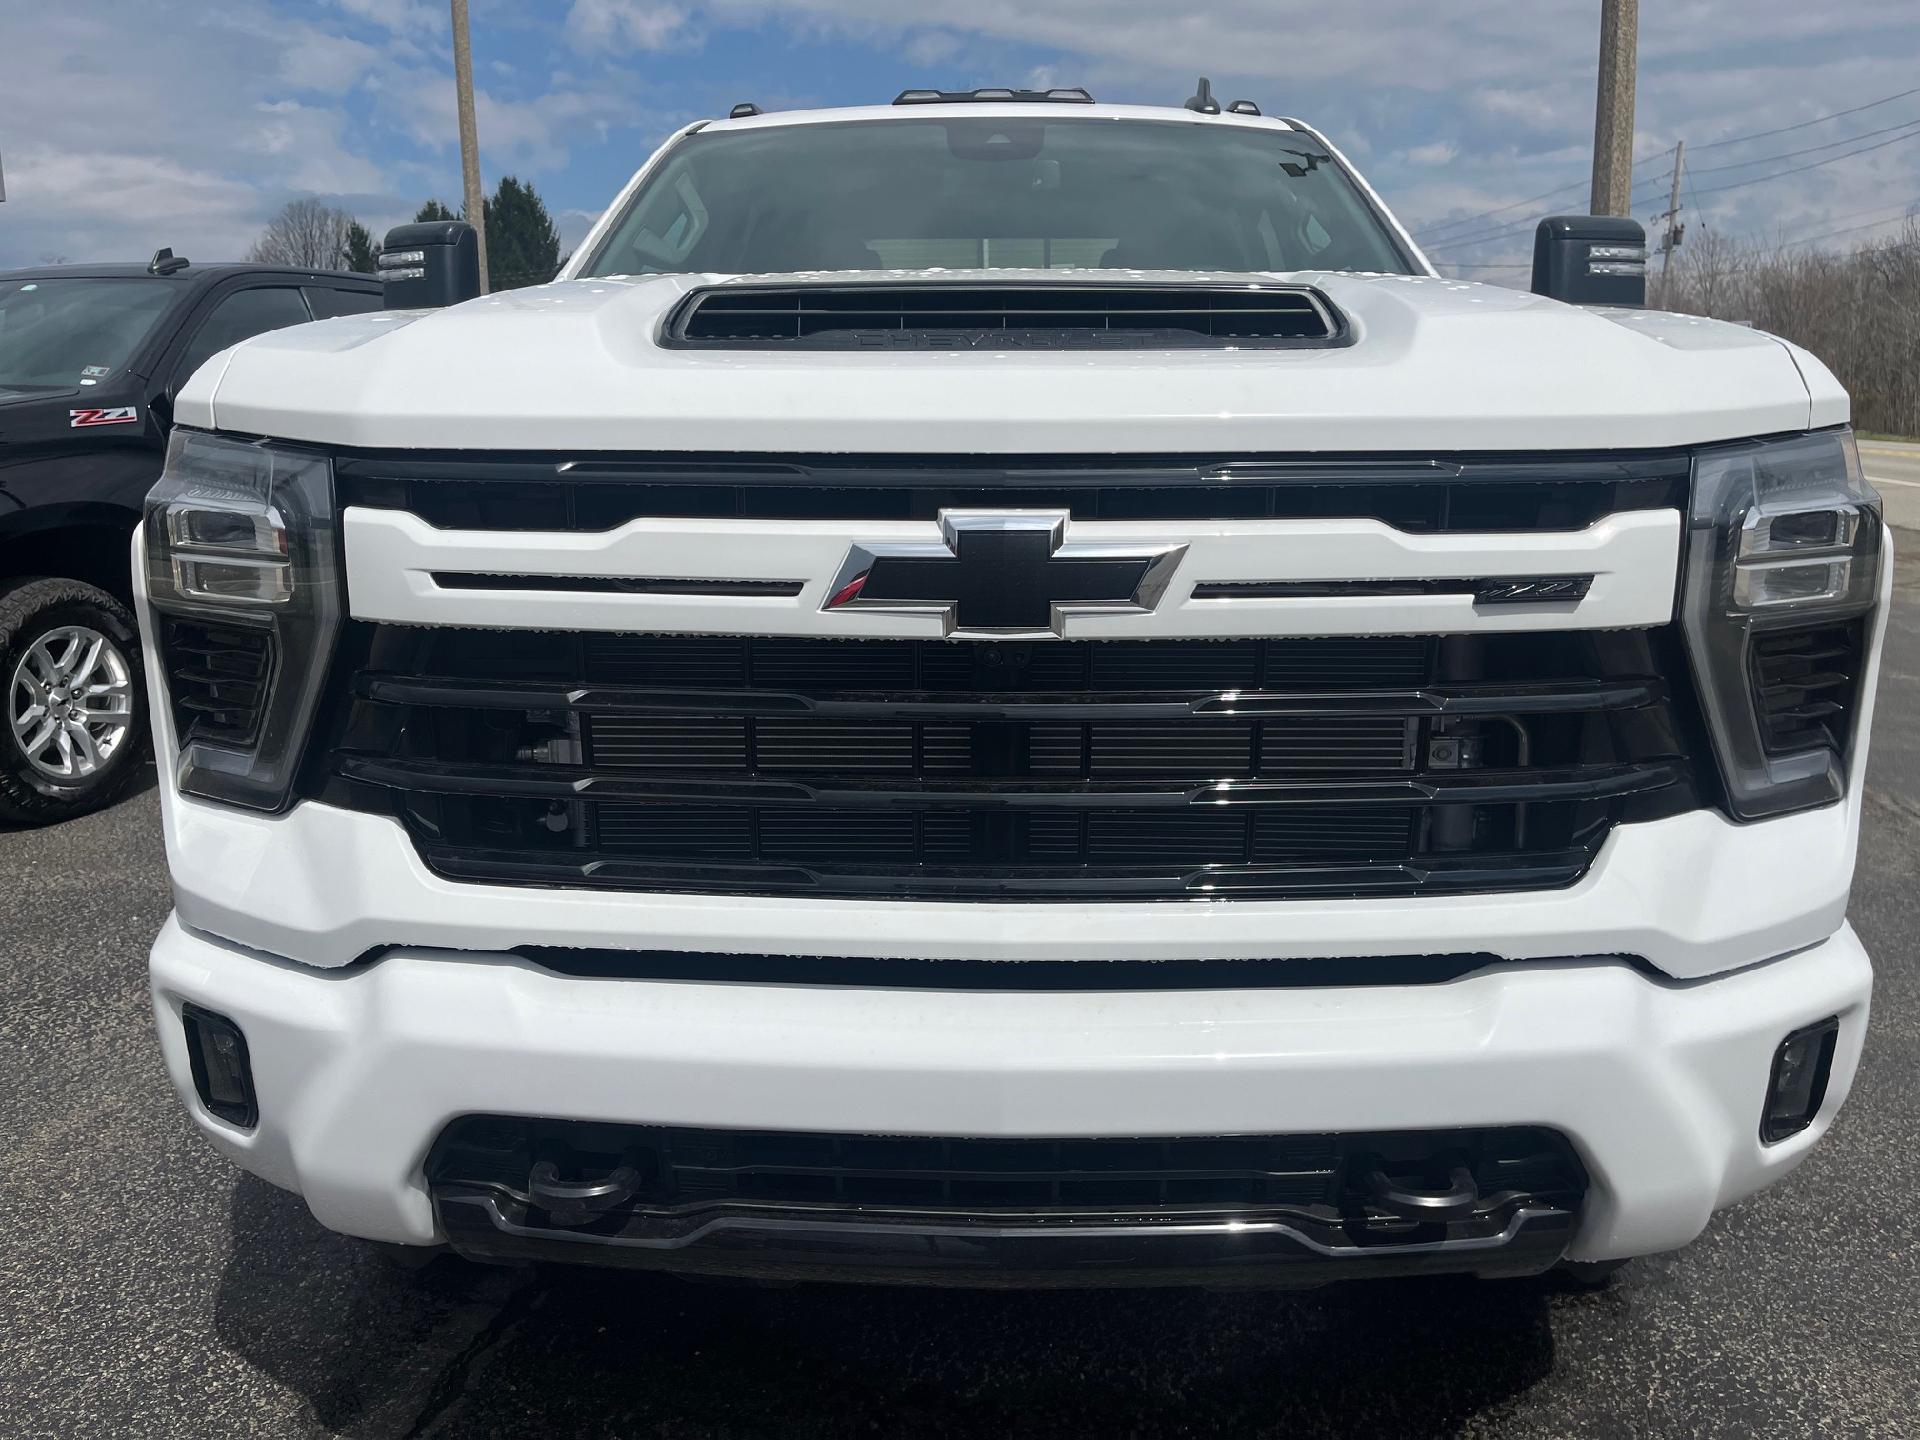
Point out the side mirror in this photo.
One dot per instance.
(1590, 260)
(428, 265)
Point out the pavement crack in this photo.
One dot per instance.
(451, 1382)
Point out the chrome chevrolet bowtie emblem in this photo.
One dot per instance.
(998, 574)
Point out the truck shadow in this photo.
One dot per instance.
(458, 1349)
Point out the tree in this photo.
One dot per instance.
(361, 254)
(523, 246)
(308, 234)
(433, 210)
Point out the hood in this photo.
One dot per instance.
(1435, 365)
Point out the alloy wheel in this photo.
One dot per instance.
(70, 703)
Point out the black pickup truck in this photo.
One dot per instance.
(91, 357)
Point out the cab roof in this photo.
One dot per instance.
(999, 110)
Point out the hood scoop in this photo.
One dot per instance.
(1026, 315)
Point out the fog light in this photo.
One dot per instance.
(222, 1076)
(1799, 1081)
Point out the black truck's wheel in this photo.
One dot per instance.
(73, 707)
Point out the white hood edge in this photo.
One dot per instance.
(1436, 366)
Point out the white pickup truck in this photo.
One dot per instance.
(1000, 690)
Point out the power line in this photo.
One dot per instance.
(1804, 124)
(1901, 212)
(1440, 225)
(1856, 214)
(1465, 220)
(1694, 195)
(1809, 150)
(1814, 165)
(1456, 242)
(1906, 214)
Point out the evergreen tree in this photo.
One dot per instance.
(523, 245)
(360, 251)
(433, 210)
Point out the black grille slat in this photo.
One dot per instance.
(1461, 494)
(1193, 749)
(1805, 684)
(217, 680)
(651, 742)
(829, 747)
(672, 831)
(852, 667)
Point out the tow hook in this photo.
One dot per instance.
(1453, 1203)
(575, 1202)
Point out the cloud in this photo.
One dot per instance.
(406, 17)
(198, 134)
(931, 47)
(1512, 89)
(221, 113)
(624, 26)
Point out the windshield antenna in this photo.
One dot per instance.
(1203, 100)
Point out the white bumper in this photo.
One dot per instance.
(1658, 1084)
(1693, 896)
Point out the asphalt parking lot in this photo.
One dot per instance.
(147, 1289)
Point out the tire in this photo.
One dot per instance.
(1588, 1274)
(46, 776)
(409, 1259)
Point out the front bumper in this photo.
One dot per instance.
(1657, 1084)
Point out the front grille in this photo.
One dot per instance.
(217, 680)
(1008, 770)
(1021, 315)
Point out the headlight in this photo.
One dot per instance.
(243, 577)
(1783, 572)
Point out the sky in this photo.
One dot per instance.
(130, 124)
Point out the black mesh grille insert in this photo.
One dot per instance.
(1027, 771)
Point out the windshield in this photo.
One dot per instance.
(61, 334)
(1010, 193)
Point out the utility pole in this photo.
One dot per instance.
(1613, 108)
(1670, 240)
(476, 204)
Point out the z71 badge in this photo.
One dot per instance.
(111, 415)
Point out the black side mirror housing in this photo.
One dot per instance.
(1590, 260)
(430, 264)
